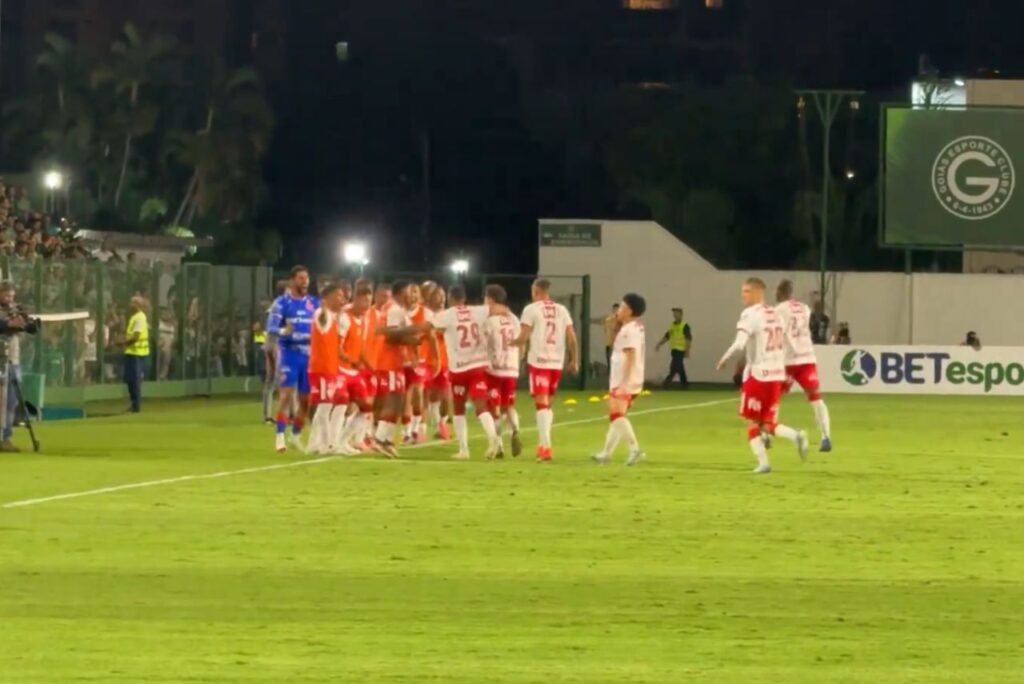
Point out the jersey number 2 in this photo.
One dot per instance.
(552, 329)
(775, 339)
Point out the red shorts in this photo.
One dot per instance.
(355, 386)
(370, 381)
(440, 383)
(760, 400)
(629, 398)
(322, 388)
(805, 375)
(501, 391)
(472, 384)
(391, 381)
(544, 381)
(417, 376)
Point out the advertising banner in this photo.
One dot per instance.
(950, 177)
(991, 371)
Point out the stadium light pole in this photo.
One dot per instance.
(53, 181)
(460, 267)
(828, 103)
(355, 255)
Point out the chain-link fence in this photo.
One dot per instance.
(204, 320)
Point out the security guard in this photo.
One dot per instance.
(136, 351)
(680, 341)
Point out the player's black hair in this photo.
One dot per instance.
(784, 291)
(383, 286)
(343, 284)
(457, 294)
(497, 293)
(636, 304)
(328, 289)
(362, 290)
(542, 284)
(296, 270)
(398, 287)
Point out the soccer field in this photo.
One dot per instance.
(898, 558)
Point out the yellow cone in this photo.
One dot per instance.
(571, 402)
(594, 400)
(646, 393)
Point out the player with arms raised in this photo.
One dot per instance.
(500, 331)
(761, 335)
(801, 362)
(547, 331)
(467, 360)
(626, 378)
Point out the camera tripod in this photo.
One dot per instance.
(9, 377)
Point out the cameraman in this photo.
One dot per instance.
(13, 322)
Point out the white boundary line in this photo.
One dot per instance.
(313, 461)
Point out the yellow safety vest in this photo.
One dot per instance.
(259, 338)
(677, 338)
(140, 347)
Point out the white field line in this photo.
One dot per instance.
(312, 461)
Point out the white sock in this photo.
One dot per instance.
(367, 427)
(433, 416)
(370, 427)
(322, 425)
(625, 429)
(822, 417)
(760, 452)
(407, 429)
(784, 432)
(337, 426)
(512, 416)
(462, 434)
(417, 424)
(353, 426)
(487, 422)
(611, 440)
(385, 431)
(544, 420)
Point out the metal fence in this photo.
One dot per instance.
(202, 319)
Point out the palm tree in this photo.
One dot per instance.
(60, 61)
(133, 66)
(225, 153)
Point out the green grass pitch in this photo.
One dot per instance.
(899, 558)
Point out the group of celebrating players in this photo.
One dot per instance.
(380, 367)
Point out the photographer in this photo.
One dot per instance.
(13, 322)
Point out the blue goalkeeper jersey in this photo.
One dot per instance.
(298, 312)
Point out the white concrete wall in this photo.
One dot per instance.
(882, 308)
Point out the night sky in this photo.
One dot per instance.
(456, 77)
